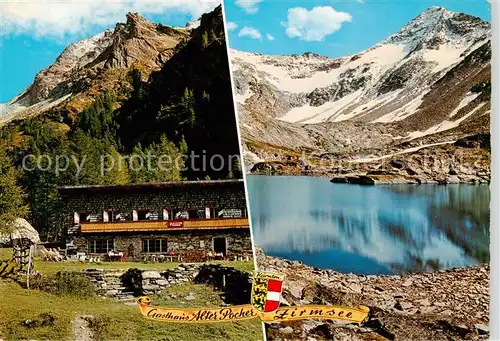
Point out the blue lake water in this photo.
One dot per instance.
(370, 229)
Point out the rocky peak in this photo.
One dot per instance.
(137, 43)
(135, 18)
(190, 25)
(138, 26)
(139, 40)
(437, 26)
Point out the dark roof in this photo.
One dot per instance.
(149, 186)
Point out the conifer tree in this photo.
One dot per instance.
(117, 171)
(213, 36)
(183, 147)
(12, 204)
(204, 39)
(168, 161)
(137, 165)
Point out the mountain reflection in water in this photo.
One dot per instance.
(370, 229)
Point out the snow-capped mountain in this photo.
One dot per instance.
(430, 77)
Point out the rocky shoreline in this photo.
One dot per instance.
(466, 161)
(444, 305)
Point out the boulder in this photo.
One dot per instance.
(398, 164)
(482, 329)
(151, 275)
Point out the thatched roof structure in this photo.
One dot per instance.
(21, 229)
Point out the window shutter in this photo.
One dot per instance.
(76, 218)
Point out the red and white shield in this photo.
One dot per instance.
(266, 291)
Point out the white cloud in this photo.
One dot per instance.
(231, 25)
(249, 6)
(250, 32)
(56, 18)
(315, 24)
(269, 37)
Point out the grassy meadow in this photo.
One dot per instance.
(113, 320)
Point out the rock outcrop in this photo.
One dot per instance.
(444, 305)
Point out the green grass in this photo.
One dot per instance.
(117, 321)
(120, 322)
(53, 267)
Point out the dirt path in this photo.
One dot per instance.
(81, 329)
(404, 151)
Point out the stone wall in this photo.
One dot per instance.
(180, 242)
(132, 283)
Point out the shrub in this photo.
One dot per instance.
(132, 279)
(65, 283)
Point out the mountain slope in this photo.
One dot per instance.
(93, 65)
(375, 100)
(190, 98)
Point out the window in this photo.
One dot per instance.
(80, 217)
(117, 216)
(181, 214)
(91, 218)
(196, 214)
(143, 214)
(110, 216)
(101, 245)
(152, 215)
(154, 245)
(229, 213)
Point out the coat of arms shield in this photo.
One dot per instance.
(266, 291)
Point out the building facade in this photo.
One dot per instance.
(175, 218)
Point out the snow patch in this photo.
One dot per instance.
(322, 113)
(378, 101)
(296, 74)
(445, 125)
(242, 98)
(15, 110)
(9, 108)
(469, 98)
(447, 55)
(406, 110)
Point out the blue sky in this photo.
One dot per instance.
(362, 23)
(31, 38)
(32, 35)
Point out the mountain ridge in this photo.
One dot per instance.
(136, 43)
(302, 102)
